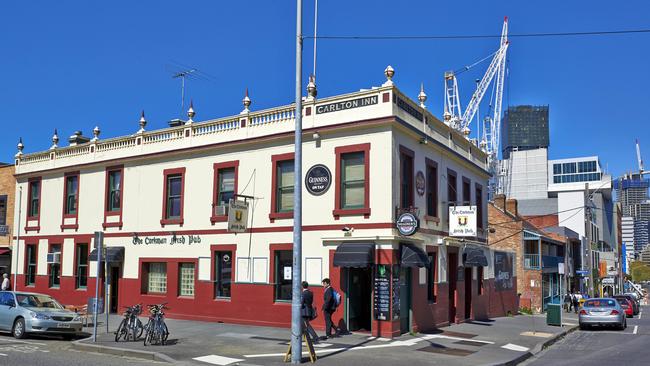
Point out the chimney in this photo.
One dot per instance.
(78, 138)
(511, 206)
(500, 201)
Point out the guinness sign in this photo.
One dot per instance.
(318, 179)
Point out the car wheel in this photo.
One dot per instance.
(69, 337)
(583, 327)
(18, 330)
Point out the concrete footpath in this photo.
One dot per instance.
(500, 341)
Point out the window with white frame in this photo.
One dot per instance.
(157, 278)
(186, 279)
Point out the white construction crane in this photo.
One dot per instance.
(454, 117)
(639, 159)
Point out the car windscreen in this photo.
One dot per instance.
(37, 301)
(600, 303)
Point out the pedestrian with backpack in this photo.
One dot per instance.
(331, 300)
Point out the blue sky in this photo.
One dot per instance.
(72, 65)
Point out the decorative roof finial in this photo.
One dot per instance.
(143, 122)
(246, 102)
(422, 97)
(311, 88)
(389, 72)
(190, 113)
(96, 132)
(466, 131)
(20, 147)
(55, 140)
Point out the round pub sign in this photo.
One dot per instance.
(407, 224)
(318, 179)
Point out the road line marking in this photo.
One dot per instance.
(17, 341)
(217, 360)
(636, 328)
(433, 336)
(2, 354)
(304, 353)
(514, 347)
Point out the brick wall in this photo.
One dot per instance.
(8, 187)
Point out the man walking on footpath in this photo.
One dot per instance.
(307, 311)
(329, 307)
(5, 282)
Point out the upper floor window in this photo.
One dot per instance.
(406, 177)
(114, 191)
(34, 198)
(557, 168)
(71, 194)
(479, 206)
(284, 189)
(432, 189)
(226, 185)
(467, 193)
(225, 188)
(3, 210)
(173, 191)
(353, 180)
(174, 196)
(452, 194)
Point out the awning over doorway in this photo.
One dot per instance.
(474, 257)
(413, 256)
(114, 254)
(354, 255)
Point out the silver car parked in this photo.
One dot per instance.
(602, 312)
(24, 312)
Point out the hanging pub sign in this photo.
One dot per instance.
(420, 183)
(237, 216)
(407, 224)
(318, 179)
(462, 221)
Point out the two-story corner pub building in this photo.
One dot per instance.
(161, 198)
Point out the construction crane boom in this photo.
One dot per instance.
(460, 121)
(638, 156)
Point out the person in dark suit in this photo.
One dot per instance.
(329, 307)
(307, 311)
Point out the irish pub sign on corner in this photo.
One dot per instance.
(462, 221)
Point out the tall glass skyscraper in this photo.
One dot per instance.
(524, 127)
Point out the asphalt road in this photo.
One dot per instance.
(602, 346)
(54, 352)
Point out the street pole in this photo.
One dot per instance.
(20, 206)
(99, 241)
(296, 320)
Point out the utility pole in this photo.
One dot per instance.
(587, 201)
(296, 319)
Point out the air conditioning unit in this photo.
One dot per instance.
(54, 258)
(221, 210)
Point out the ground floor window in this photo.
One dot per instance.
(222, 273)
(54, 266)
(186, 279)
(432, 278)
(479, 277)
(81, 280)
(283, 268)
(30, 273)
(156, 277)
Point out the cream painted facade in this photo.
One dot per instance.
(382, 117)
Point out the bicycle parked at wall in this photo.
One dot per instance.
(156, 329)
(131, 327)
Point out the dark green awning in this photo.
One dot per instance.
(474, 257)
(114, 254)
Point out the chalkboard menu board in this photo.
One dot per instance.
(382, 292)
(396, 292)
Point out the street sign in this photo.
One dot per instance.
(560, 268)
(462, 221)
(582, 272)
(608, 281)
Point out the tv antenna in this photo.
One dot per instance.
(183, 75)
